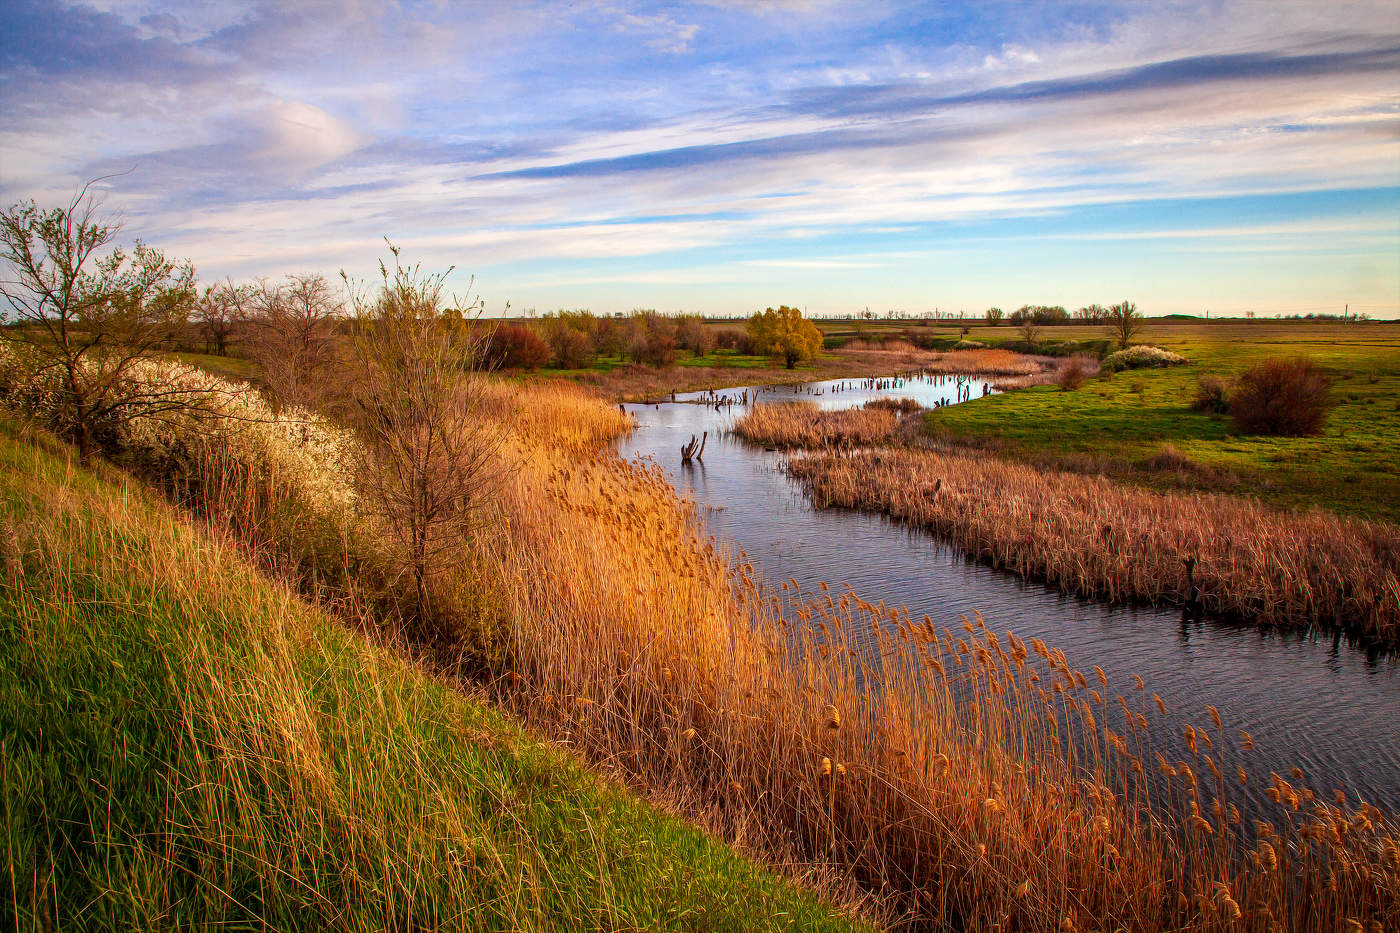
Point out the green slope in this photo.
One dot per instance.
(184, 744)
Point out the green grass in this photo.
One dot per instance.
(227, 367)
(1125, 421)
(184, 744)
(718, 359)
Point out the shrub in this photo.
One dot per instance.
(1142, 356)
(969, 345)
(1212, 396)
(572, 349)
(658, 350)
(515, 346)
(1285, 397)
(693, 335)
(1072, 375)
(734, 338)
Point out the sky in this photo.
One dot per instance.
(722, 156)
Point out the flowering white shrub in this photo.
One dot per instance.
(294, 446)
(203, 423)
(1141, 356)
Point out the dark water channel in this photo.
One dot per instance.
(1308, 700)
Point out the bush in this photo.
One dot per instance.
(515, 346)
(969, 345)
(658, 350)
(1212, 396)
(572, 349)
(734, 338)
(1285, 397)
(1142, 356)
(1072, 375)
(693, 335)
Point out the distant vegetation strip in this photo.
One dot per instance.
(1088, 535)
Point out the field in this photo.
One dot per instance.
(1137, 425)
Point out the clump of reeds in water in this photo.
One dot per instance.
(964, 780)
(901, 406)
(1087, 535)
(804, 425)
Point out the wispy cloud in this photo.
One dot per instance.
(610, 143)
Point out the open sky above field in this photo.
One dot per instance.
(725, 155)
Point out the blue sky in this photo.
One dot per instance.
(726, 155)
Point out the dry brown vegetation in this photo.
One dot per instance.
(1091, 536)
(961, 780)
(804, 425)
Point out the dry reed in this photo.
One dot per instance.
(1091, 536)
(966, 780)
(804, 425)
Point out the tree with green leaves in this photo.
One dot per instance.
(784, 332)
(88, 311)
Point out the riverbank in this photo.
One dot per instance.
(1138, 426)
(188, 744)
(636, 383)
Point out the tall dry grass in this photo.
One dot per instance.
(804, 425)
(962, 779)
(1091, 536)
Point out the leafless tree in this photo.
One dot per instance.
(292, 338)
(1124, 323)
(430, 458)
(89, 315)
(219, 311)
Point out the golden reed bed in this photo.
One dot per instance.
(946, 777)
(1091, 536)
(804, 425)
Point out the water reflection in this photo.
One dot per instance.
(1308, 699)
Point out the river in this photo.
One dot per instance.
(1310, 701)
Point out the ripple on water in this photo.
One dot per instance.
(1309, 702)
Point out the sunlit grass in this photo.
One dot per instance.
(185, 745)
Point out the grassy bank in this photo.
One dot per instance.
(1138, 426)
(184, 744)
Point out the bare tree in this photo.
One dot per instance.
(1124, 323)
(292, 338)
(218, 312)
(89, 316)
(430, 459)
(1027, 323)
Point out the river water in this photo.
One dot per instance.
(1309, 701)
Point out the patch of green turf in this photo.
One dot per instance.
(1130, 418)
